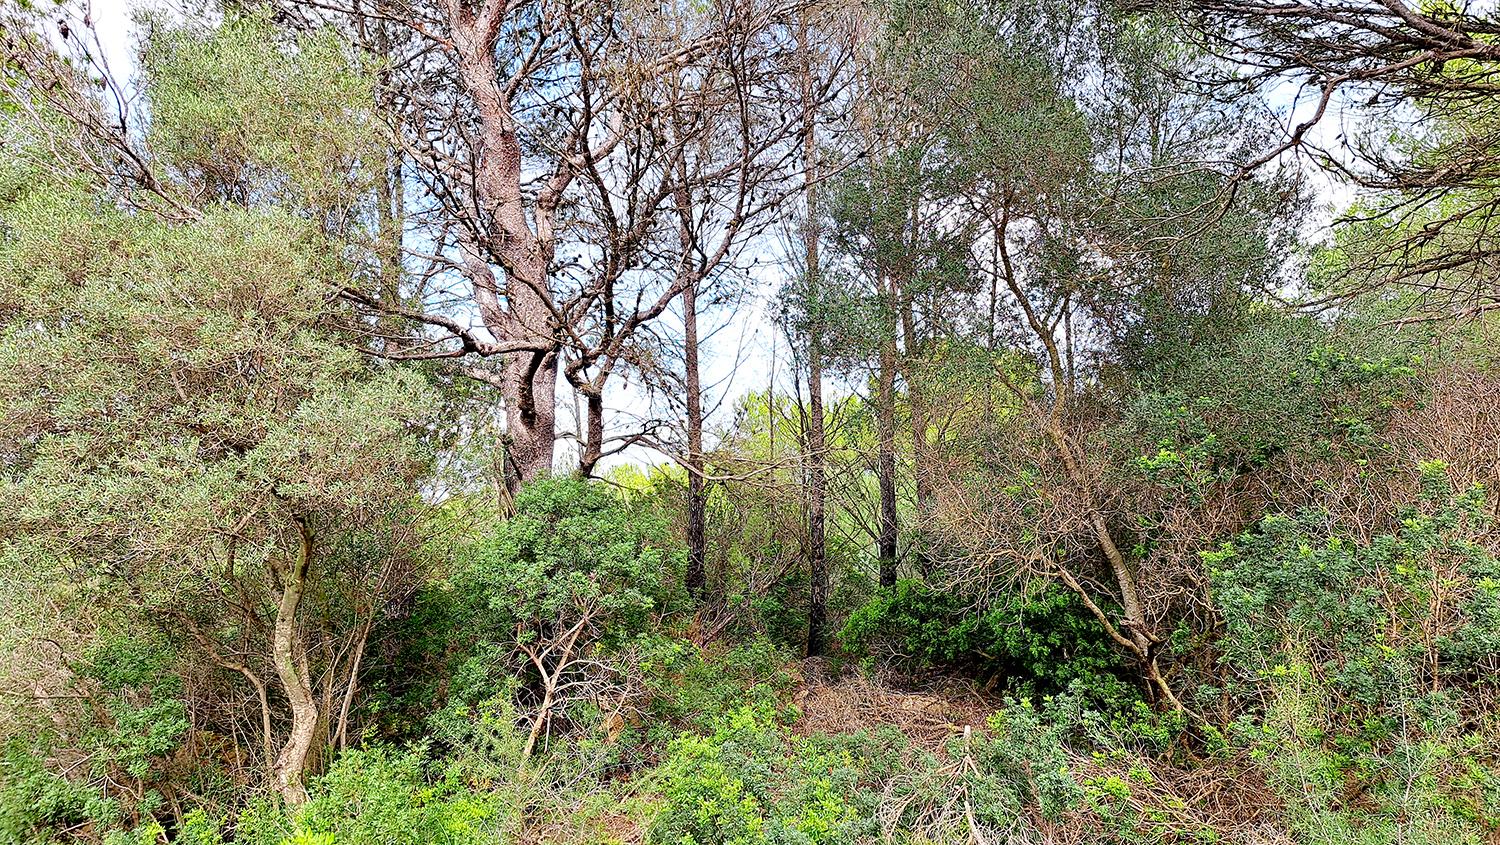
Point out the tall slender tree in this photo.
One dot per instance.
(814, 433)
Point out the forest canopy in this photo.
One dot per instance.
(748, 421)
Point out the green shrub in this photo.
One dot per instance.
(34, 802)
(1025, 758)
(558, 593)
(1040, 644)
(570, 544)
(748, 783)
(377, 795)
(691, 687)
(1383, 621)
(122, 740)
(1367, 659)
(781, 609)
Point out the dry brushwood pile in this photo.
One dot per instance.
(1227, 802)
(854, 703)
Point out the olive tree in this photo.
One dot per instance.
(182, 423)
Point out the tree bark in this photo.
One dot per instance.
(885, 422)
(817, 484)
(292, 763)
(593, 438)
(697, 496)
(817, 564)
(528, 379)
(916, 399)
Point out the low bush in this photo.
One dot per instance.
(378, 795)
(1030, 645)
(749, 783)
(36, 803)
(1366, 667)
(692, 688)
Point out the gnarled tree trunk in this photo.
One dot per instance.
(290, 660)
(528, 378)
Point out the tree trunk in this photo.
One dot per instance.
(292, 763)
(916, 398)
(885, 422)
(817, 484)
(530, 389)
(593, 439)
(817, 564)
(697, 496)
(528, 379)
(351, 687)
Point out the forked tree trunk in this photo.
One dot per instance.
(592, 443)
(528, 379)
(530, 391)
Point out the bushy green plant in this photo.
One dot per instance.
(34, 802)
(1368, 660)
(1039, 643)
(137, 721)
(426, 650)
(147, 718)
(553, 597)
(748, 783)
(693, 687)
(382, 795)
(573, 548)
(1280, 383)
(1405, 611)
(1020, 768)
(781, 610)
(1026, 759)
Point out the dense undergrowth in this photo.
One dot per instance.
(1355, 705)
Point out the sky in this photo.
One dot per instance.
(111, 20)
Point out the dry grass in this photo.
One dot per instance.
(593, 819)
(1229, 800)
(929, 716)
